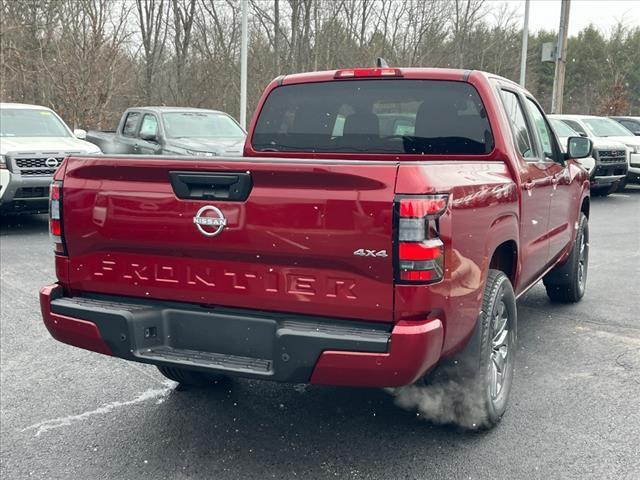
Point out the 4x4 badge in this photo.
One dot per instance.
(362, 252)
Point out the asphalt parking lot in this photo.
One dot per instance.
(574, 410)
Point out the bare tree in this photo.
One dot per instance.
(152, 22)
(90, 59)
(184, 12)
(467, 14)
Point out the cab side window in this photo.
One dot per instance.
(149, 126)
(576, 126)
(130, 124)
(518, 124)
(543, 130)
(631, 125)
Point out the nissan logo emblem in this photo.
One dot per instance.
(51, 162)
(209, 220)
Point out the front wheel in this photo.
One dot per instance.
(620, 186)
(601, 191)
(566, 283)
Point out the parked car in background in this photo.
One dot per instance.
(172, 131)
(630, 123)
(33, 142)
(376, 233)
(603, 129)
(563, 132)
(606, 156)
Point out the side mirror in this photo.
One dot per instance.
(579, 147)
(148, 136)
(80, 134)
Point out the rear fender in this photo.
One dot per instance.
(503, 229)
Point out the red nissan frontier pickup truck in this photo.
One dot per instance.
(377, 232)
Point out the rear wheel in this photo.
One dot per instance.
(478, 381)
(602, 191)
(190, 377)
(567, 282)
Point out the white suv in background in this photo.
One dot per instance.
(33, 142)
(601, 129)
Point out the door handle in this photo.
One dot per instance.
(227, 186)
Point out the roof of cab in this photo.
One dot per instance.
(164, 109)
(23, 106)
(573, 115)
(407, 73)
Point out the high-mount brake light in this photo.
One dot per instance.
(55, 217)
(420, 252)
(368, 72)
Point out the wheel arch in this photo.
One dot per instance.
(503, 249)
(505, 259)
(585, 206)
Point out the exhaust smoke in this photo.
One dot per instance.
(445, 403)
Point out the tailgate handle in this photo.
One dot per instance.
(233, 187)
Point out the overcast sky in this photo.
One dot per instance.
(545, 14)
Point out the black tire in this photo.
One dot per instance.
(602, 191)
(190, 377)
(478, 381)
(620, 186)
(566, 283)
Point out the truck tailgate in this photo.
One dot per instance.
(289, 246)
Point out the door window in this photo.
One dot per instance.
(631, 125)
(518, 124)
(130, 124)
(149, 126)
(544, 132)
(576, 126)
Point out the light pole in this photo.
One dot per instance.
(243, 66)
(525, 42)
(561, 59)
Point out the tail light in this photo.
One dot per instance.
(420, 251)
(55, 217)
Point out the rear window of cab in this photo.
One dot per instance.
(374, 116)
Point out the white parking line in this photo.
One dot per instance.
(47, 425)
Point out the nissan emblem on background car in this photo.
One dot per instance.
(51, 162)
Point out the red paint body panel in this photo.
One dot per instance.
(414, 348)
(479, 193)
(72, 331)
(289, 247)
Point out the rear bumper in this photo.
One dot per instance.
(270, 346)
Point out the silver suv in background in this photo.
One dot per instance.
(614, 148)
(33, 142)
(563, 132)
(630, 123)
